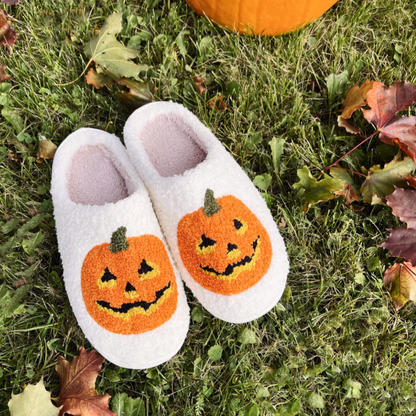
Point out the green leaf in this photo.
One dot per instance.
(126, 406)
(197, 314)
(254, 139)
(262, 392)
(106, 51)
(197, 367)
(112, 375)
(253, 410)
(317, 191)
(12, 116)
(215, 353)
(335, 85)
(353, 389)
(338, 173)
(380, 182)
(180, 41)
(34, 401)
(30, 244)
(276, 145)
(262, 181)
(247, 336)
(10, 302)
(315, 400)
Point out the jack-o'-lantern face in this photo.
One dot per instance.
(129, 286)
(224, 246)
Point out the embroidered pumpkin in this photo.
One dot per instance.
(266, 17)
(224, 246)
(129, 286)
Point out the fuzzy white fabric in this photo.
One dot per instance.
(80, 227)
(177, 195)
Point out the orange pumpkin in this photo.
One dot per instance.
(266, 17)
(129, 286)
(224, 246)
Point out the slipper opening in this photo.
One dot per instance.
(96, 177)
(172, 146)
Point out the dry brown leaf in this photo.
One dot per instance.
(217, 103)
(7, 34)
(3, 76)
(348, 193)
(199, 84)
(401, 278)
(356, 98)
(46, 149)
(78, 396)
(342, 122)
(98, 79)
(11, 2)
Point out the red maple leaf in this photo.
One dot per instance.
(385, 103)
(78, 396)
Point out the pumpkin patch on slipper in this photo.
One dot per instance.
(119, 277)
(219, 230)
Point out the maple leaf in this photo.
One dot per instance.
(411, 180)
(342, 122)
(356, 98)
(380, 182)
(34, 401)
(3, 76)
(78, 396)
(110, 54)
(7, 34)
(401, 277)
(139, 93)
(46, 150)
(385, 103)
(11, 2)
(350, 190)
(317, 191)
(403, 203)
(99, 78)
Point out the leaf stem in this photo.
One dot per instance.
(356, 147)
(352, 171)
(75, 80)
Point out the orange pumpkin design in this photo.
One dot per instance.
(129, 286)
(224, 246)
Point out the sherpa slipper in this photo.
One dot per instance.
(218, 227)
(118, 274)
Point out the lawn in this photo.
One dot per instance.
(334, 345)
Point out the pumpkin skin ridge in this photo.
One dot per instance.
(237, 269)
(124, 265)
(220, 227)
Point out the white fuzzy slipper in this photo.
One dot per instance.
(118, 274)
(218, 227)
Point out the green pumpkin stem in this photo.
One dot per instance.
(211, 205)
(119, 241)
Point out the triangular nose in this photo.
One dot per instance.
(129, 287)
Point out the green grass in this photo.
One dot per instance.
(336, 325)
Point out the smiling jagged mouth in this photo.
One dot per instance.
(132, 308)
(233, 270)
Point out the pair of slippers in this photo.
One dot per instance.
(122, 273)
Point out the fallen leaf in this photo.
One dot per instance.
(3, 76)
(403, 203)
(380, 182)
(401, 242)
(317, 191)
(350, 191)
(78, 396)
(217, 103)
(138, 94)
(110, 54)
(11, 2)
(411, 180)
(385, 103)
(99, 79)
(7, 34)
(124, 405)
(199, 84)
(13, 156)
(46, 150)
(356, 98)
(34, 401)
(342, 122)
(401, 277)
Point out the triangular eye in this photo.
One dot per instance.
(206, 242)
(237, 224)
(107, 276)
(145, 268)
